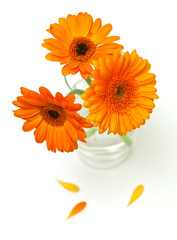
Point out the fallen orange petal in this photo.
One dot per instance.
(136, 194)
(69, 186)
(77, 209)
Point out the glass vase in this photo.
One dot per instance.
(102, 151)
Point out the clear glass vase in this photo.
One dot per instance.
(102, 150)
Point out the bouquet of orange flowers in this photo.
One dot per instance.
(120, 94)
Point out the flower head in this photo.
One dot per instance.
(55, 118)
(122, 94)
(78, 40)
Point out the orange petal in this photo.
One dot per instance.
(45, 92)
(23, 113)
(116, 57)
(145, 102)
(82, 134)
(122, 126)
(74, 71)
(84, 75)
(136, 194)
(96, 25)
(150, 95)
(87, 24)
(40, 132)
(30, 101)
(72, 24)
(20, 105)
(136, 115)
(60, 52)
(59, 96)
(104, 74)
(76, 106)
(146, 78)
(63, 23)
(49, 136)
(84, 24)
(144, 112)
(77, 209)
(67, 68)
(101, 34)
(88, 67)
(48, 46)
(107, 48)
(63, 137)
(110, 39)
(70, 98)
(71, 130)
(30, 125)
(29, 93)
(52, 57)
(141, 68)
(60, 33)
(82, 67)
(127, 122)
(74, 122)
(147, 89)
(81, 27)
(69, 186)
(56, 43)
(119, 65)
(59, 139)
(54, 140)
(114, 122)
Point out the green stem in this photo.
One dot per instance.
(76, 91)
(67, 83)
(88, 80)
(127, 140)
(91, 131)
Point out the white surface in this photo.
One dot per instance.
(32, 204)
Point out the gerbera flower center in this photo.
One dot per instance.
(121, 93)
(81, 49)
(54, 114)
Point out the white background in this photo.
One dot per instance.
(33, 205)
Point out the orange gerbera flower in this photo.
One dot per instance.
(122, 93)
(55, 118)
(78, 41)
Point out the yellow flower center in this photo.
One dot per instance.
(81, 49)
(53, 114)
(121, 93)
